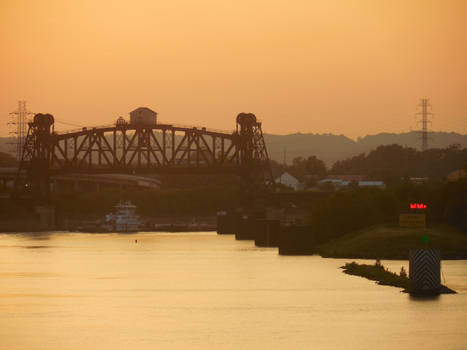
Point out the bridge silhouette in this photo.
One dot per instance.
(138, 148)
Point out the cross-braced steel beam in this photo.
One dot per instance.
(129, 148)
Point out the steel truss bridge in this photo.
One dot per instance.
(141, 149)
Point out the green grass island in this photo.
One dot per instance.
(394, 243)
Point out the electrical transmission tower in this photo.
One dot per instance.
(19, 119)
(425, 113)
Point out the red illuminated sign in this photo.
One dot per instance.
(417, 206)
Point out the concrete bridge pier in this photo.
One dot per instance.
(247, 225)
(267, 233)
(297, 240)
(245, 228)
(227, 222)
(46, 217)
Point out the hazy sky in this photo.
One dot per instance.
(349, 67)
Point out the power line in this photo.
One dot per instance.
(67, 123)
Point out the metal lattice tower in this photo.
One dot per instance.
(19, 119)
(425, 113)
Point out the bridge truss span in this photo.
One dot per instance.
(141, 148)
(127, 148)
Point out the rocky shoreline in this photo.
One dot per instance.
(383, 276)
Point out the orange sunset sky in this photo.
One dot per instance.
(352, 67)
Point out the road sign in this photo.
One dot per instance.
(412, 220)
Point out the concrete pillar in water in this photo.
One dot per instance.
(46, 217)
(75, 185)
(226, 222)
(245, 228)
(267, 233)
(424, 272)
(297, 240)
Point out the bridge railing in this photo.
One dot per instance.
(219, 131)
(70, 131)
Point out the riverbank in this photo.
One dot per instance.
(151, 228)
(383, 276)
(394, 243)
(95, 225)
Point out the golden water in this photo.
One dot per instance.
(201, 291)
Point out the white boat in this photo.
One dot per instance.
(124, 219)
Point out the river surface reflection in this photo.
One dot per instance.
(200, 291)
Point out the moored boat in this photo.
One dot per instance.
(124, 218)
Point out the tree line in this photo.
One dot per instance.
(6, 160)
(347, 211)
(392, 164)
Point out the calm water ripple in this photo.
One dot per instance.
(199, 291)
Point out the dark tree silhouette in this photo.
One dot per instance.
(308, 166)
(394, 163)
(7, 160)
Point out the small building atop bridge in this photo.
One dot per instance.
(143, 116)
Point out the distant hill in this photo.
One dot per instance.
(331, 148)
(327, 147)
(6, 146)
(412, 139)
(7, 160)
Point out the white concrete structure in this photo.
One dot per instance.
(335, 182)
(143, 116)
(338, 183)
(289, 180)
(379, 184)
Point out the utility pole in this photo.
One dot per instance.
(19, 118)
(425, 113)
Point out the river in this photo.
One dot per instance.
(202, 291)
